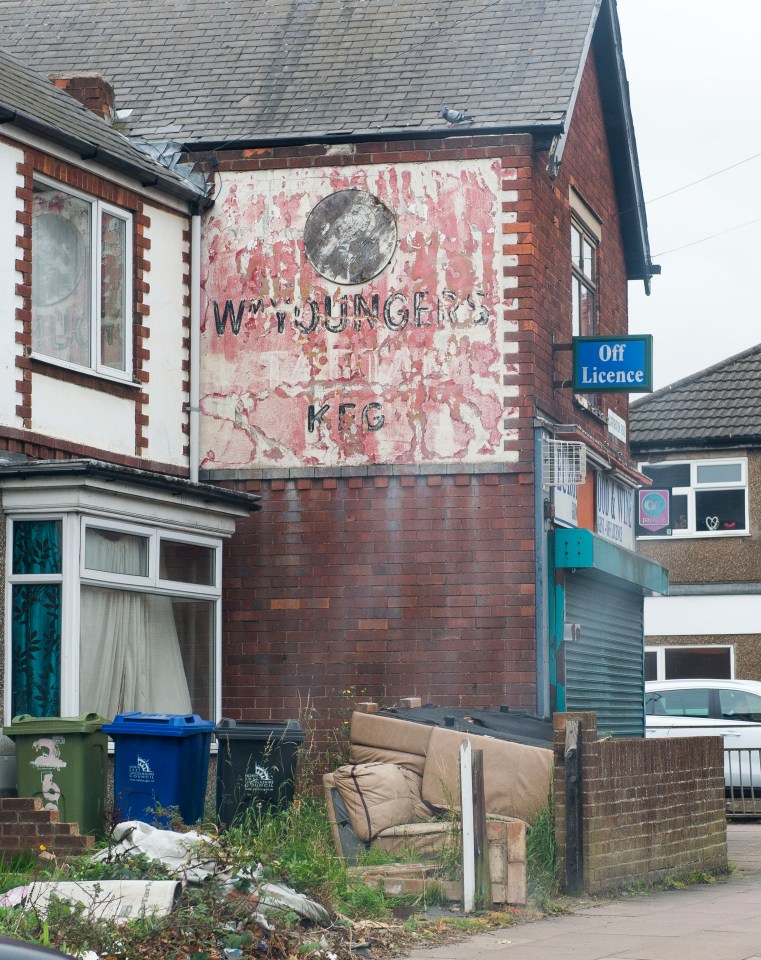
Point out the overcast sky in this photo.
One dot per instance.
(695, 88)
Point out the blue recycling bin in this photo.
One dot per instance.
(160, 760)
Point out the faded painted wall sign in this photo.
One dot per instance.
(350, 236)
(303, 366)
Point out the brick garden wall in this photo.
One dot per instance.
(651, 808)
(25, 826)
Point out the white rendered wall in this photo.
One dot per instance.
(80, 415)
(167, 400)
(702, 616)
(9, 302)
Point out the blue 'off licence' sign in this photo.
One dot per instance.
(610, 364)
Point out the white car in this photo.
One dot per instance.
(726, 708)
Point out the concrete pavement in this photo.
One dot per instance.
(720, 921)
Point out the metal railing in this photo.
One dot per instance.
(742, 780)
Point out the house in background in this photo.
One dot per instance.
(388, 305)
(112, 564)
(700, 438)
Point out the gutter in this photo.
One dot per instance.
(88, 150)
(105, 470)
(548, 127)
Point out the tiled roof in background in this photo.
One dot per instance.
(720, 405)
(36, 103)
(211, 70)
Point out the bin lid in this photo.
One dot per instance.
(26, 724)
(289, 731)
(158, 725)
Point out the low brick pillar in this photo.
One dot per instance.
(650, 808)
(25, 825)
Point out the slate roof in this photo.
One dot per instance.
(720, 406)
(212, 70)
(34, 103)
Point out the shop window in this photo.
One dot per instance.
(81, 281)
(141, 625)
(689, 663)
(709, 498)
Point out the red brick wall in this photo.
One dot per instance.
(423, 584)
(651, 808)
(24, 825)
(384, 586)
(586, 167)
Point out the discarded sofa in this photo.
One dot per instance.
(403, 777)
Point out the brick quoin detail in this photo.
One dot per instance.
(37, 162)
(184, 413)
(383, 590)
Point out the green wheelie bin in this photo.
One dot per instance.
(64, 762)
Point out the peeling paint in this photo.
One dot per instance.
(406, 368)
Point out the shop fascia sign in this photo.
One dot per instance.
(614, 519)
(613, 364)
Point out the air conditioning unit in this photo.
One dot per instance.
(564, 462)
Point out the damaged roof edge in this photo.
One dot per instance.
(133, 475)
(87, 150)
(549, 128)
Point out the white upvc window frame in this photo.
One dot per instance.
(75, 575)
(660, 655)
(95, 365)
(691, 532)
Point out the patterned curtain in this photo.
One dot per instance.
(36, 620)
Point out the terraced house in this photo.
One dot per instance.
(413, 208)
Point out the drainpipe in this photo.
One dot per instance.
(195, 342)
(543, 580)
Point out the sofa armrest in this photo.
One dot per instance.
(348, 845)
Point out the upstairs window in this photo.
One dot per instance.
(709, 498)
(81, 281)
(584, 280)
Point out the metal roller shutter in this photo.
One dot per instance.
(604, 668)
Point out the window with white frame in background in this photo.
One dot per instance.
(687, 662)
(81, 281)
(708, 497)
(110, 617)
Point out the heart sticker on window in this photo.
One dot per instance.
(712, 523)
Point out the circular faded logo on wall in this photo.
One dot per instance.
(350, 236)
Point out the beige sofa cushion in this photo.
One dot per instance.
(378, 796)
(359, 753)
(516, 777)
(387, 733)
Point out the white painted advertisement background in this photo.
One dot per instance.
(297, 371)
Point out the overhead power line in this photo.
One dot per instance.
(708, 176)
(713, 236)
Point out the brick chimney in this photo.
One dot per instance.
(90, 89)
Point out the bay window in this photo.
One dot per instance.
(110, 617)
(81, 281)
